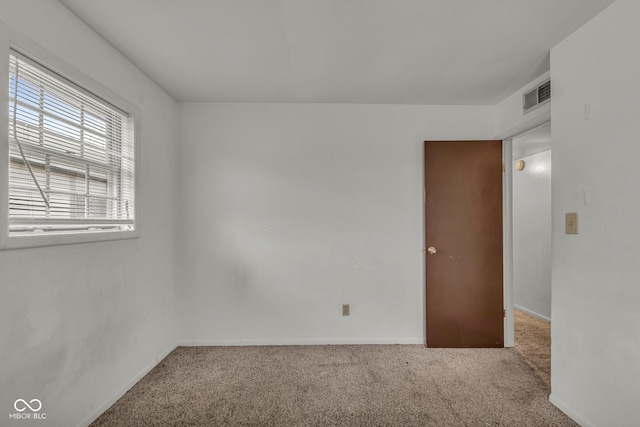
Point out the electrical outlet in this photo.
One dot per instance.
(345, 309)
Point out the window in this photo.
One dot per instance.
(71, 156)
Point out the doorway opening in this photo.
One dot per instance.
(531, 247)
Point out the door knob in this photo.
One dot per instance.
(431, 250)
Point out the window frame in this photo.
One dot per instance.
(13, 40)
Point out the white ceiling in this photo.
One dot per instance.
(340, 51)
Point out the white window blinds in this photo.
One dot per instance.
(71, 156)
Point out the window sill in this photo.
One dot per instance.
(39, 240)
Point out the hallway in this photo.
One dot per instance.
(533, 342)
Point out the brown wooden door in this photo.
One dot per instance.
(463, 196)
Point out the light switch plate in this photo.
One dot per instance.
(571, 223)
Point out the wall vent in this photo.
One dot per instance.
(536, 97)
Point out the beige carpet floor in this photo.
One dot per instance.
(533, 341)
(360, 385)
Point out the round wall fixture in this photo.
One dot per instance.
(520, 165)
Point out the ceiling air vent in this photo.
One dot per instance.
(536, 97)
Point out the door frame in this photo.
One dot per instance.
(507, 241)
(507, 224)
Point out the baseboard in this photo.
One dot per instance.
(533, 313)
(302, 341)
(117, 395)
(570, 412)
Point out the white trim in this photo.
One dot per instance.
(532, 313)
(100, 409)
(533, 129)
(300, 341)
(570, 412)
(38, 240)
(507, 243)
(15, 40)
(423, 237)
(526, 126)
(4, 135)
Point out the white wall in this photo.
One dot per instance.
(290, 210)
(596, 274)
(78, 323)
(532, 232)
(510, 119)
